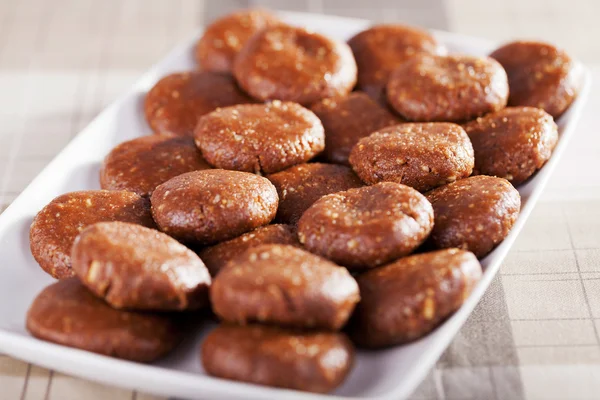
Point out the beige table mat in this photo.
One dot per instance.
(535, 333)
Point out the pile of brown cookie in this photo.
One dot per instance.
(308, 217)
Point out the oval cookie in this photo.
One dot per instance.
(284, 285)
(420, 155)
(68, 314)
(205, 207)
(55, 227)
(473, 214)
(407, 299)
(367, 227)
(265, 355)
(294, 64)
(133, 267)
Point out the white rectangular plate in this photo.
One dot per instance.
(386, 374)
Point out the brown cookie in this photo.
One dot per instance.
(55, 227)
(141, 164)
(68, 314)
(260, 137)
(407, 299)
(451, 88)
(176, 102)
(134, 267)
(217, 256)
(347, 120)
(210, 206)
(366, 227)
(289, 63)
(512, 143)
(382, 48)
(224, 38)
(420, 155)
(300, 186)
(265, 355)
(284, 285)
(539, 75)
(473, 214)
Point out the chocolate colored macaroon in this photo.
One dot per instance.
(224, 38)
(451, 88)
(539, 75)
(367, 227)
(68, 314)
(293, 64)
(266, 355)
(141, 164)
(286, 286)
(420, 155)
(382, 48)
(138, 268)
(55, 227)
(262, 138)
(177, 101)
(300, 186)
(512, 143)
(405, 300)
(217, 256)
(209, 206)
(473, 214)
(347, 120)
